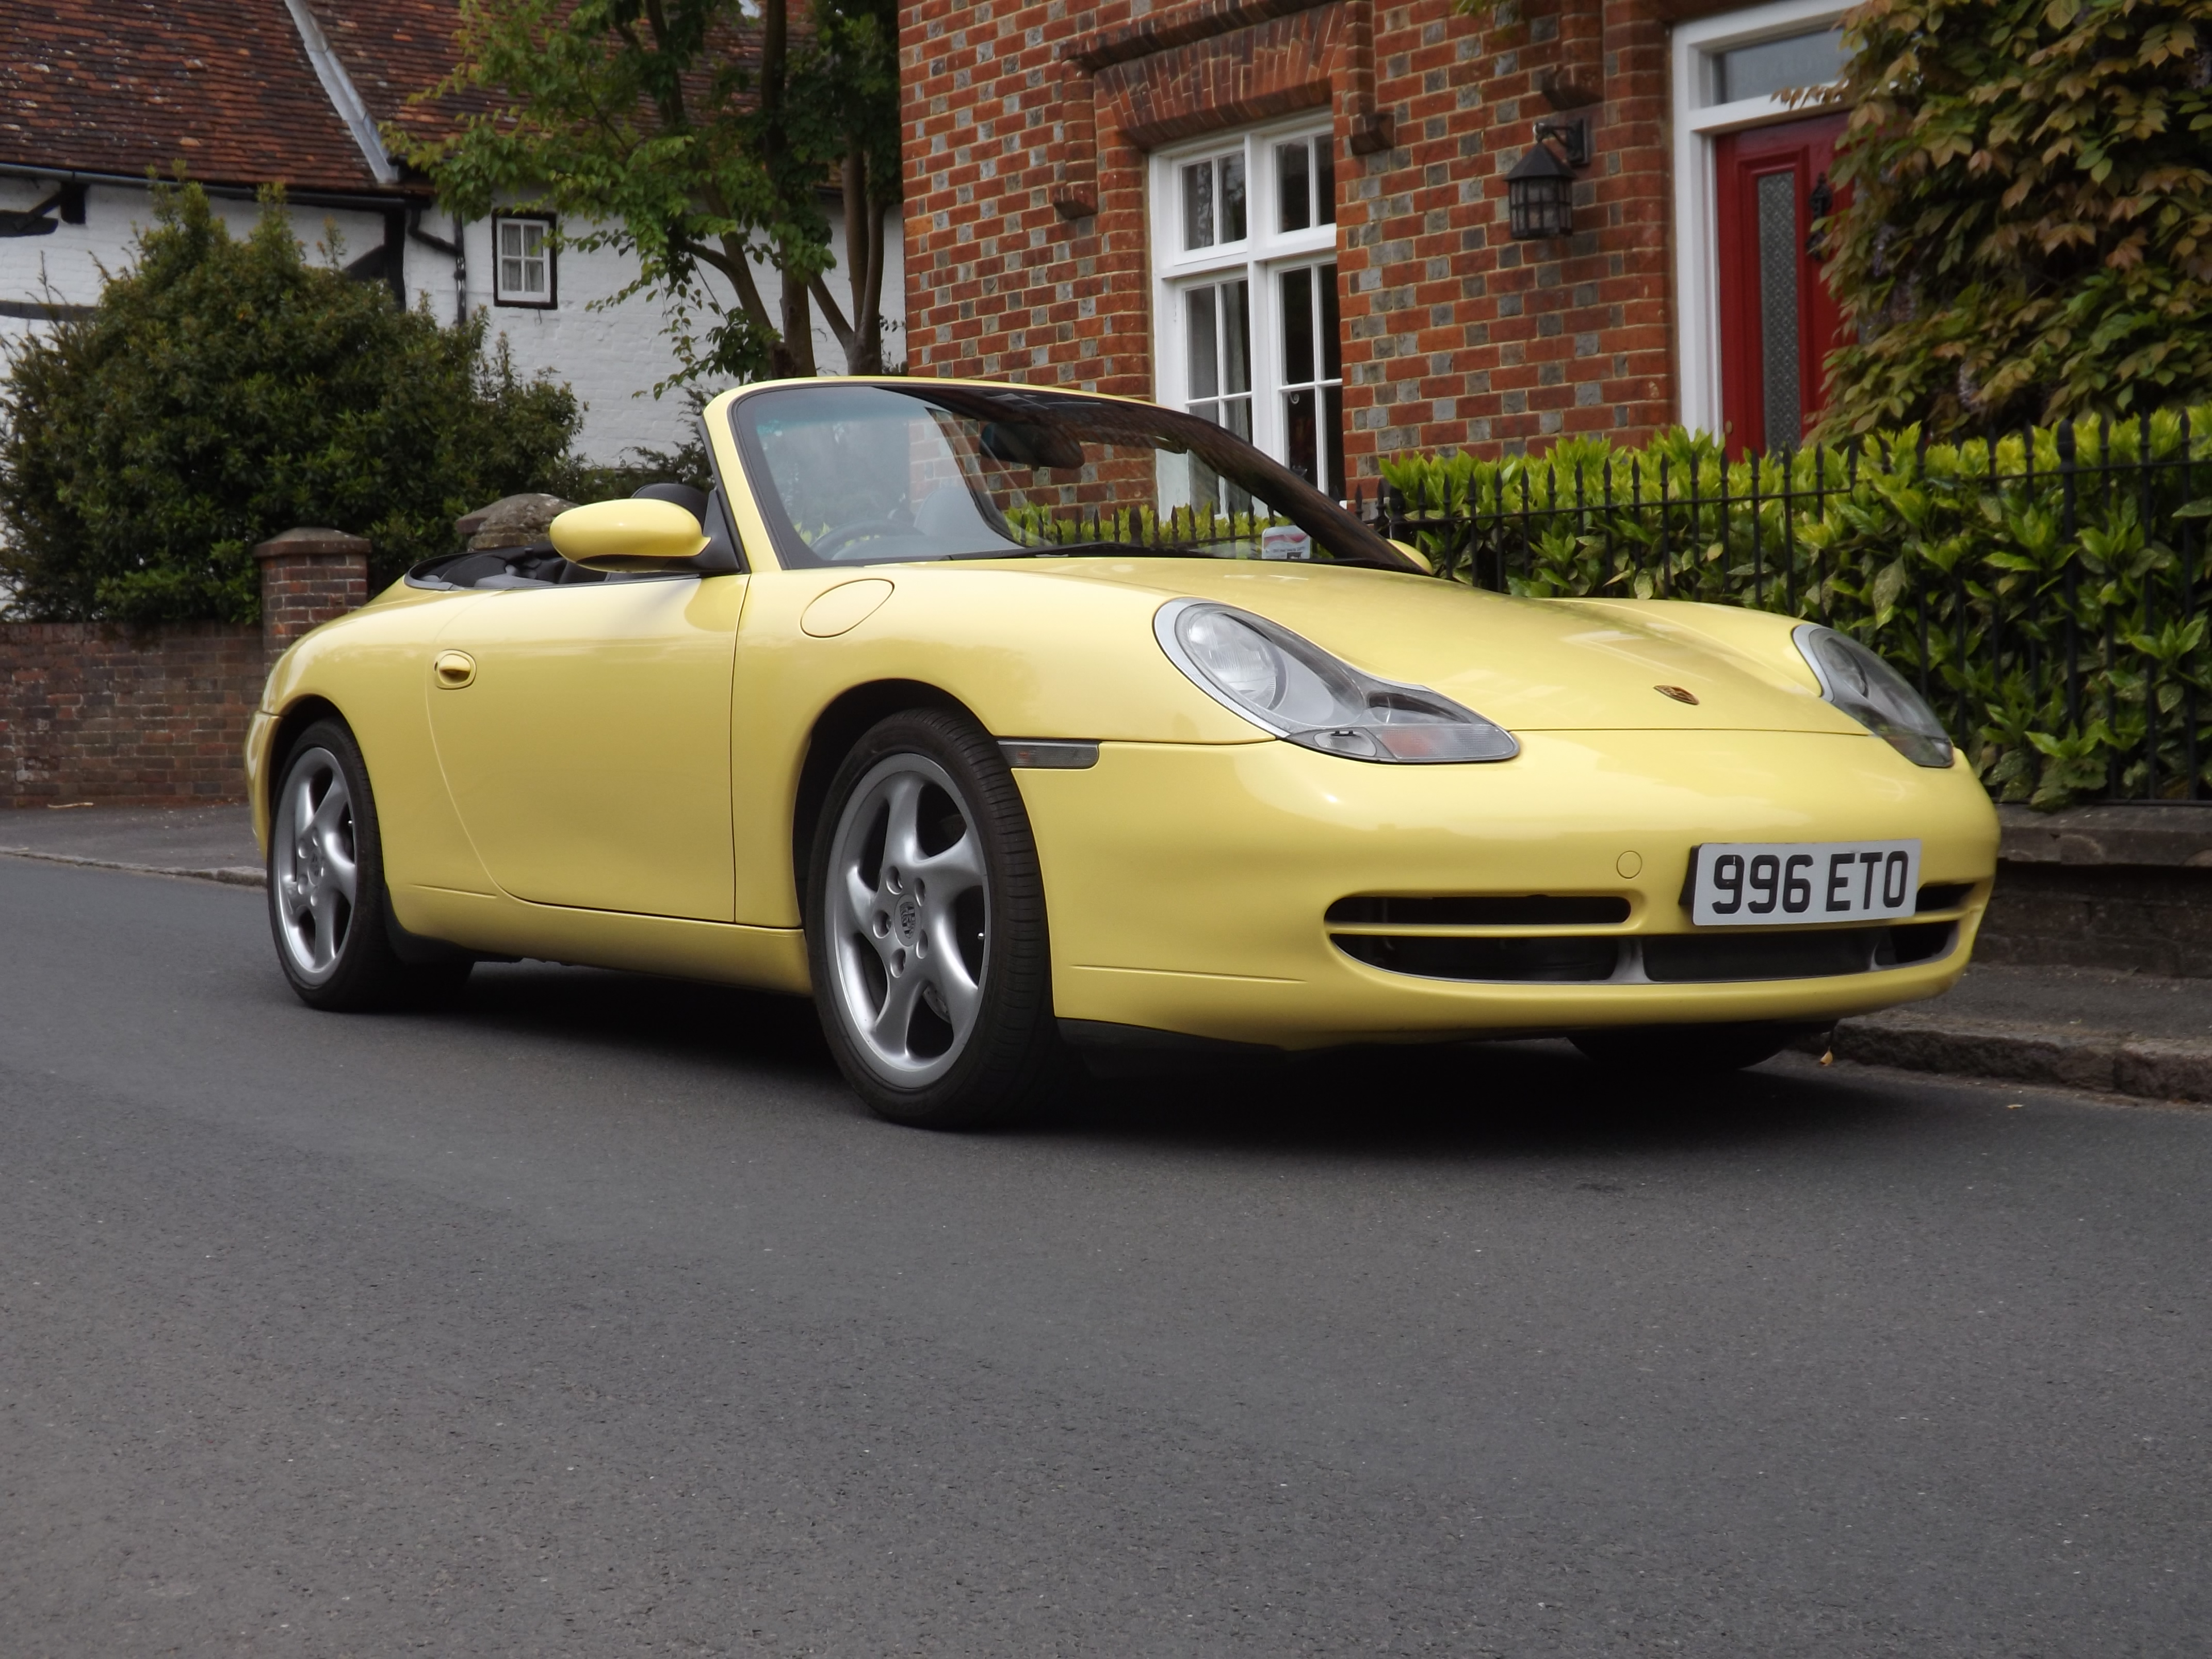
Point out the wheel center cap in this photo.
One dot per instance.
(909, 921)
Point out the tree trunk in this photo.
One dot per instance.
(864, 259)
(793, 356)
(872, 302)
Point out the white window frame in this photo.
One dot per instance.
(1697, 124)
(1263, 253)
(500, 296)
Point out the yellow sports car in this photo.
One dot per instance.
(1012, 722)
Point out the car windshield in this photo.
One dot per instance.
(867, 473)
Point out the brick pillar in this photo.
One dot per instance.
(309, 576)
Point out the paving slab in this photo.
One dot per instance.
(213, 842)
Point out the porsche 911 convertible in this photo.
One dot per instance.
(1010, 723)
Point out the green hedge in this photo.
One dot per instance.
(2050, 589)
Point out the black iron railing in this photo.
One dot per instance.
(2049, 591)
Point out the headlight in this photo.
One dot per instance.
(1297, 691)
(1875, 694)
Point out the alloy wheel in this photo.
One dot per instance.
(909, 914)
(314, 863)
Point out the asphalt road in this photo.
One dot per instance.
(592, 1317)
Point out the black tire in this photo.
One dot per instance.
(1662, 1053)
(938, 1005)
(339, 950)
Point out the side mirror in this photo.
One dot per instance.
(630, 535)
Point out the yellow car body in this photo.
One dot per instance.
(619, 775)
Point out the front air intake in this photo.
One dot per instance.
(1582, 957)
(1484, 910)
(1655, 958)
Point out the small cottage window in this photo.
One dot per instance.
(522, 265)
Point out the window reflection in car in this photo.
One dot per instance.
(869, 473)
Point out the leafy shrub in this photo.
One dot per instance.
(224, 391)
(2028, 230)
(2069, 664)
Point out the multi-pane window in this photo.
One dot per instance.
(522, 260)
(1247, 296)
(1218, 359)
(1306, 183)
(1312, 376)
(1214, 201)
(1219, 353)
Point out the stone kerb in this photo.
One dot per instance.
(308, 575)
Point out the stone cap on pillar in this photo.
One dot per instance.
(522, 520)
(307, 541)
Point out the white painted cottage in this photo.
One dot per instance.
(247, 93)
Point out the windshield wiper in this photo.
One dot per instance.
(1092, 549)
(1048, 549)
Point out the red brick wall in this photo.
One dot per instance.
(1455, 334)
(126, 718)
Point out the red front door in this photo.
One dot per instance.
(1778, 321)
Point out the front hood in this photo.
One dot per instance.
(1529, 665)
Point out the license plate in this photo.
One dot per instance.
(1773, 884)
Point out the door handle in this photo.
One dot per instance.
(454, 669)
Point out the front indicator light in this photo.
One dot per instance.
(1874, 694)
(1292, 689)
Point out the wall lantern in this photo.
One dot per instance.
(1540, 192)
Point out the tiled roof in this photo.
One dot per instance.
(119, 86)
(394, 49)
(224, 86)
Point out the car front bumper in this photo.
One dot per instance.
(1187, 884)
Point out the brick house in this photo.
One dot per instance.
(1292, 215)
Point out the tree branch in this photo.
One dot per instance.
(739, 271)
(833, 316)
